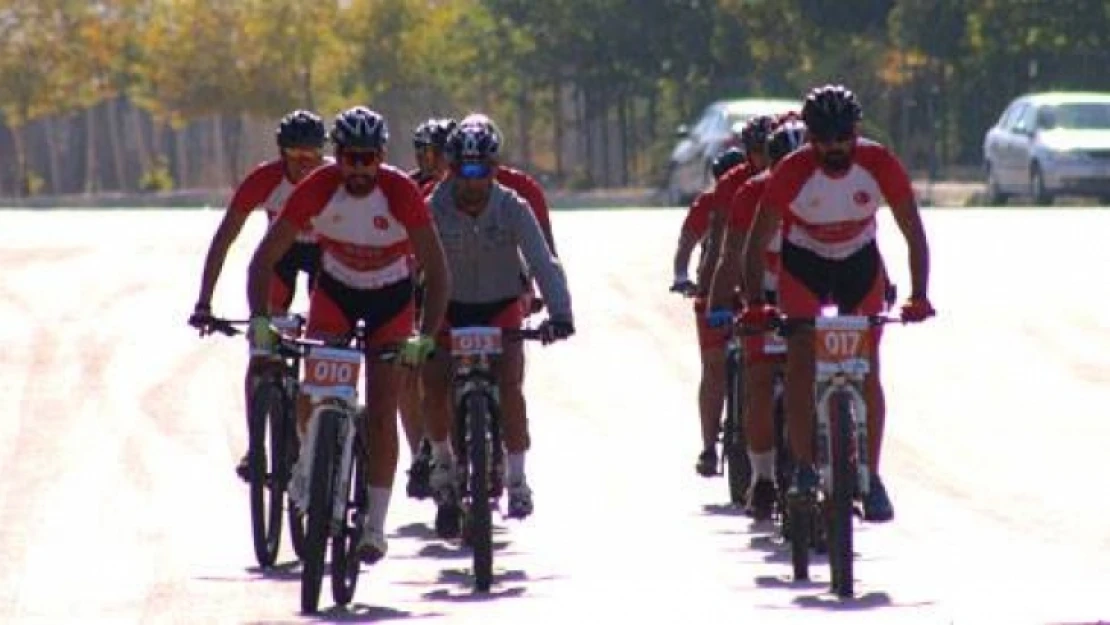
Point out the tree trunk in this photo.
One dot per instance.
(146, 158)
(52, 161)
(558, 130)
(622, 128)
(606, 157)
(91, 174)
(181, 170)
(524, 118)
(22, 188)
(219, 179)
(115, 144)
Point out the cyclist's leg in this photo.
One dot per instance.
(861, 284)
(412, 417)
(389, 315)
(711, 388)
(759, 392)
(285, 280)
(802, 280)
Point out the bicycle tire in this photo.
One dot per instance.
(478, 406)
(267, 490)
(800, 521)
(294, 517)
(320, 498)
(737, 464)
(345, 567)
(843, 491)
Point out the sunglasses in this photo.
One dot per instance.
(360, 157)
(474, 171)
(839, 136)
(302, 154)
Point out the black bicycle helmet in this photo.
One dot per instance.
(473, 142)
(726, 160)
(359, 127)
(433, 133)
(755, 132)
(831, 111)
(787, 137)
(301, 128)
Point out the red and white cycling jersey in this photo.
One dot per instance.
(364, 241)
(834, 216)
(741, 216)
(268, 186)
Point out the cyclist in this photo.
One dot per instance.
(711, 396)
(370, 218)
(759, 366)
(300, 139)
(487, 233)
(711, 390)
(825, 196)
(429, 139)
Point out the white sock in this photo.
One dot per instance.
(763, 464)
(441, 452)
(378, 498)
(515, 473)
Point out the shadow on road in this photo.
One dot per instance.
(724, 509)
(362, 613)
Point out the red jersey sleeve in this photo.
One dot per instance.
(527, 187)
(256, 187)
(311, 195)
(697, 218)
(787, 179)
(405, 200)
(744, 204)
(888, 171)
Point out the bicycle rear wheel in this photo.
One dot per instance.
(345, 566)
(266, 456)
(737, 463)
(320, 499)
(843, 491)
(478, 518)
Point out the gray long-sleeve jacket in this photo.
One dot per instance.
(486, 253)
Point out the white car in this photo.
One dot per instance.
(1049, 144)
(688, 171)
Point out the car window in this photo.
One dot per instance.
(1007, 116)
(1083, 115)
(705, 123)
(1024, 123)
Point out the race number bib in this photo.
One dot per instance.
(843, 345)
(332, 372)
(475, 341)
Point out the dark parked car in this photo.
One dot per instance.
(688, 171)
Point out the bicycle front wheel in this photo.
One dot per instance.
(737, 463)
(480, 531)
(266, 456)
(321, 495)
(345, 566)
(844, 485)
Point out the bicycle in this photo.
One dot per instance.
(336, 462)
(475, 351)
(272, 440)
(842, 362)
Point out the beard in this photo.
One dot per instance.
(837, 161)
(470, 199)
(358, 184)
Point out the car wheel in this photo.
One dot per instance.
(995, 195)
(1037, 188)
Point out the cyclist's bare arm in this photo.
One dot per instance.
(908, 217)
(729, 272)
(437, 279)
(686, 242)
(230, 227)
(279, 238)
(767, 220)
(713, 243)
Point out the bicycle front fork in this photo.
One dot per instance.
(858, 450)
